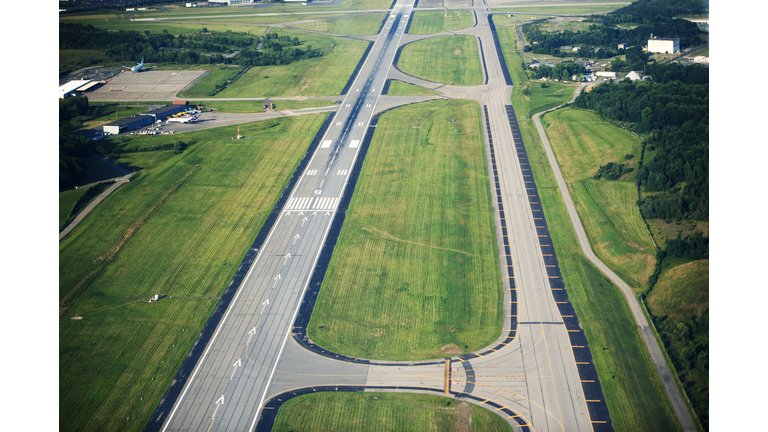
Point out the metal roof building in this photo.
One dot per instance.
(166, 111)
(70, 87)
(128, 123)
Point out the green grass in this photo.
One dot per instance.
(173, 27)
(180, 227)
(399, 88)
(418, 235)
(681, 290)
(96, 171)
(582, 142)
(67, 200)
(384, 412)
(70, 60)
(500, 19)
(663, 232)
(631, 385)
(270, 19)
(257, 106)
(428, 22)
(558, 9)
(320, 76)
(112, 113)
(206, 87)
(452, 60)
(358, 25)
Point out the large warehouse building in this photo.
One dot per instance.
(128, 124)
(661, 45)
(166, 111)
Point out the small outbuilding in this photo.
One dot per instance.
(634, 76)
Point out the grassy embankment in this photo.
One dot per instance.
(593, 7)
(629, 380)
(257, 106)
(582, 142)
(452, 60)
(357, 25)
(418, 234)
(383, 412)
(320, 76)
(179, 228)
(428, 22)
(210, 84)
(399, 88)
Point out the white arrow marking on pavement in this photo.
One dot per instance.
(221, 399)
(327, 214)
(303, 220)
(289, 255)
(277, 278)
(253, 331)
(295, 238)
(237, 363)
(313, 214)
(301, 214)
(266, 302)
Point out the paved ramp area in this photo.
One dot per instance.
(145, 86)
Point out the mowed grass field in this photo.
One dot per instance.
(180, 228)
(357, 25)
(206, 87)
(257, 106)
(428, 22)
(452, 60)
(629, 380)
(415, 272)
(582, 142)
(320, 76)
(384, 412)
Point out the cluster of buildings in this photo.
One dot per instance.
(145, 119)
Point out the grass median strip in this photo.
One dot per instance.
(379, 412)
(453, 60)
(415, 272)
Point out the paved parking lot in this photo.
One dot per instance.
(144, 86)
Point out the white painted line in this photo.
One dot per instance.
(354, 143)
(326, 144)
(342, 172)
(338, 123)
(291, 203)
(361, 124)
(349, 105)
(368, 106)
(335, 202)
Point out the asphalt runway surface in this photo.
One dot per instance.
(538, 374)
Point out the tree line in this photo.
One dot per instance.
(72, 147)
(602, 37)
(197, 48)
(675, 115)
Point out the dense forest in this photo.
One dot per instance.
(71, 147)
(674, 112)
(196, 48)
(561, 71)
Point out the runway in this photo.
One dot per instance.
(538, 375)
